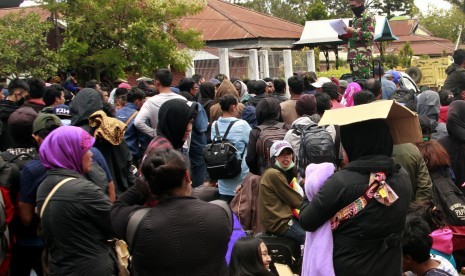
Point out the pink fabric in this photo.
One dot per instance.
(318, 252)
(442, 240)
(352, 89)
(124, 85)
(443, 110)
(336, 104)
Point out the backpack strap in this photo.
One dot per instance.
(206, 103)
(57, 186)
(134, 223)
(132, 117)
(227, 130)
(277, 126)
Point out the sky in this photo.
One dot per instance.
(423, 4)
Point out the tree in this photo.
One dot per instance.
(458, 3)
(317, 11)
(120, 35)
(300, 10)
(389, 7)
(405, 55)
(444, 23)
(24, 48)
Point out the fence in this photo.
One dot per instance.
(251, 64)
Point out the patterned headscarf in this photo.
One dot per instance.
(352, 89)
(64, 148)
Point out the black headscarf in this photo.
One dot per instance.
(456, 121)
(84, 104)
(207, 92)
(173, 117)
(370, 137)
(267, 109)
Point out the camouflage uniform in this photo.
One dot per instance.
(361, 46)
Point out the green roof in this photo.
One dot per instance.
(398, 18)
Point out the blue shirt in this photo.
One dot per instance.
(387, 87)
(137, 141)
(239, 136)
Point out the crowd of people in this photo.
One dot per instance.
(80, 164)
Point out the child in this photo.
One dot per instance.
(250, 257)
(280, 195)
(416, 245)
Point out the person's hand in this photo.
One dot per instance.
(349, 30)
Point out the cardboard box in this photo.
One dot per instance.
(403, 123)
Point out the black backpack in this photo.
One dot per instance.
(448, 198)
(220, 156)
(316, 146)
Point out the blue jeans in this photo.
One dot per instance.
(198, 174)
(295, 232)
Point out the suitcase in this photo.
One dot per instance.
(283, 250)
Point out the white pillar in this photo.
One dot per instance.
(311, 60)
(253, 64)
(288, 71)
(264, 62)
(224, 61)
(190, 71)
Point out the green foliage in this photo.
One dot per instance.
(333, 72)
(140, 35)
(24, 48)
(391, 61)
(389, 7)
(298, 11)
(405, 55)
(317, 11)
(458, 3)
(444, 23)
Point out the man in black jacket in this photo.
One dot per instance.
(455, 80)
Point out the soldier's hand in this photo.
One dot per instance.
(349, 30)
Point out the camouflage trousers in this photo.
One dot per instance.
(361, 67)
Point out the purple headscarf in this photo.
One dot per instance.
(64, 148)
(321, 240)
(352, 89)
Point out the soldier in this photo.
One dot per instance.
(360, 40)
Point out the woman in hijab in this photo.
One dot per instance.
(352, 89)
(454, 143)
(109, 133)
(267, 112)
(75, 213)
(207, 95)
(226, 88)
(366, 229)
(175, 119)
(242, 90)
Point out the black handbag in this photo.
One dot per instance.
(221, 156)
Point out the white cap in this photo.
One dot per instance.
(278, 147)
(320, 81)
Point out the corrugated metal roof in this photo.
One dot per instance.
(43, 13)
(403, 27)
(224, 21)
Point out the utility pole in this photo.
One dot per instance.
(459, 37)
